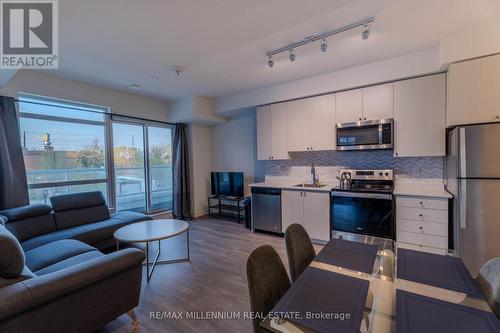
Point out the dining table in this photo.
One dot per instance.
(353, 286)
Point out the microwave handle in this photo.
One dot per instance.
(380, 132)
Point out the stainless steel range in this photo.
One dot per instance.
(364, 205)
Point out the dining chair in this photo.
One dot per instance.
(299, 250)
(489, 281)
(267, 282)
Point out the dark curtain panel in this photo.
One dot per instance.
(13, 184)
(181, 192)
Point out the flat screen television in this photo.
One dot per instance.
(227, 184)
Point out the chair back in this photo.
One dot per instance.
(489, 281)
(299, 250)
(267, 282)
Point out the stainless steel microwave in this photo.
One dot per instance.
(368, 134)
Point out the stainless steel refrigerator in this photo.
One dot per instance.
(473, 177)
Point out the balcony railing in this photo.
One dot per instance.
(129, 184)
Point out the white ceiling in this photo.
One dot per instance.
(222, 43)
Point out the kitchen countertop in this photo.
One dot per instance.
(289, 185)
(434, 190)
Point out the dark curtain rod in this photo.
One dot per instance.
(91, 111)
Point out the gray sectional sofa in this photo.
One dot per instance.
(53, 278)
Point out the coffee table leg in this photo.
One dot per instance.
(153, 264)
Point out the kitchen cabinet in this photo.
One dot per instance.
(473, 93)
(311, 124)
(419, 116)
(370, 103)
(310, 209)
(422, 223)
(349, 106)
(378, 102)
(272, 132)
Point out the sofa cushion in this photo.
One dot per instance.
(80, 208)
(45, 239)
(11, 255)
(51, 253)
(71, 261)
(100, 231)
(26, 222)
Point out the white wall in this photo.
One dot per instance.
(234, 147)
(119, 102)
(200, 164)
(413, 64)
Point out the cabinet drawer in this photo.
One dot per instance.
(421, 239)
(420, 214)
(422, 248)
(421, 202)
(422, 227)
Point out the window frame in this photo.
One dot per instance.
(108, 120)
(106, 123)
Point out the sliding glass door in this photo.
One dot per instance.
(160, 167)
(142, 156)
(129, 167)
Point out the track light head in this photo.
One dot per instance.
(365, 34)
(270, 62)
(291, 56)
(323, 45)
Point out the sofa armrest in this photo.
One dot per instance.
(28, 294)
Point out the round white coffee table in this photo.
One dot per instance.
(150, 231)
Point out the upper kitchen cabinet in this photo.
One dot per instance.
(311, 124)
(349, 106)
(272, 132)
(378, 102)
(370, 103)
(419, 116)
(474, 91)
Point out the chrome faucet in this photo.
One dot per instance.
(313, 173)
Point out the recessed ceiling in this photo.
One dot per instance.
(221, 44)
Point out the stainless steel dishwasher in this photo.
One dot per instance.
(266, 209)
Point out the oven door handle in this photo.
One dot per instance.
(362, 195)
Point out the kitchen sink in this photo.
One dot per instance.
(310, 185)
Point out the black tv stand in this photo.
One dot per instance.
(227, 207)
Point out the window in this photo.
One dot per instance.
(64, 147)
(70, 147)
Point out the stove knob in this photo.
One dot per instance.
(380, 174)
(386, 174)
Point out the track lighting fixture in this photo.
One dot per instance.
(323, 46)
(365, 34)
(270, 62)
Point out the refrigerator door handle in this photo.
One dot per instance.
(462, 152)
(463, 203)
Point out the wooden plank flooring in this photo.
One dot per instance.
(214, 280)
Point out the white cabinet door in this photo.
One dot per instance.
(292, 208)
(317, 215)
(419, 116)
(474, 91)
(322, 122)
(279, 131)
(378, 102)
(349, 106)
(298, 124)
(264, 145)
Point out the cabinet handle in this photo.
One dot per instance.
(421, 215)
(497, 116)
(421, 228)
(364, 118)
(421, 203)
(312, 148)
(360, 119)
(307, 148)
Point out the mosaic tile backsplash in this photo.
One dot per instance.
(328, 164)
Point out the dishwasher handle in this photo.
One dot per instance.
(266, 190)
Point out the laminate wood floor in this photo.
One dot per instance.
(214, 280)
